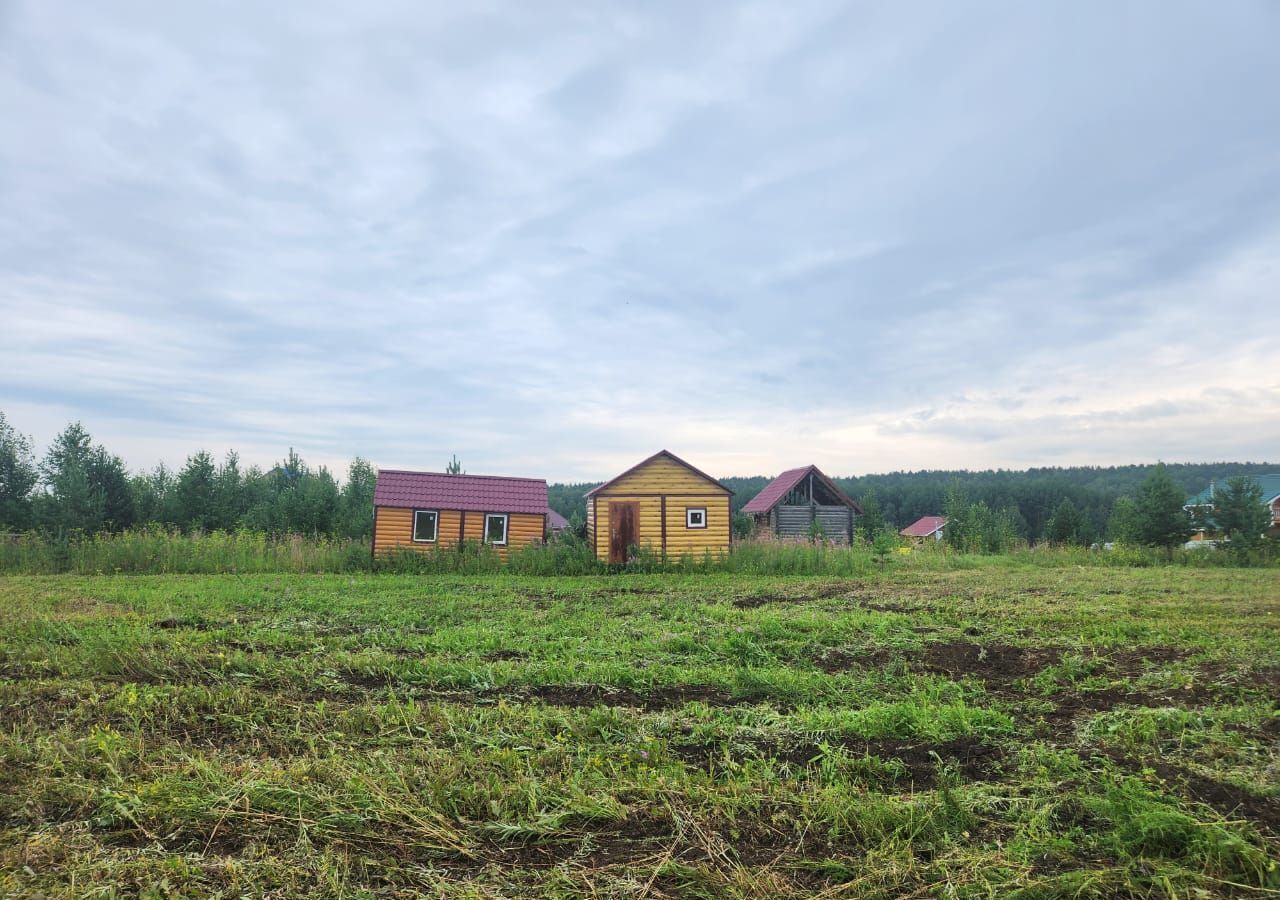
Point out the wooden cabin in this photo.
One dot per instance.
(427, 511)
(803, 502)
(662, 504)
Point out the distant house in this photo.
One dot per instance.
(1202, 505)
(556, 522)
(431, 510)
(800, 501)
(926, 528)
(663, 505)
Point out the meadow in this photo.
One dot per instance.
(990, 728)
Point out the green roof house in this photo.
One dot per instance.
(1204, 502)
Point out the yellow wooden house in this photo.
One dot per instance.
(663, 505)
(429, 511)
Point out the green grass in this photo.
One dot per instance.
(993, 729)
(159, 551)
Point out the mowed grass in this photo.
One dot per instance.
(986, 732)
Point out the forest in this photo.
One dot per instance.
(79, 485)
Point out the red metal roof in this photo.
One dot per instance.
(555, 521)
(923, 526)
(644, 462)
(775, 490)
(482, 493)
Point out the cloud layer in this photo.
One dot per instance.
(554, 238)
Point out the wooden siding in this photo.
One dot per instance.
(664, 484)
(395, 529)
(682, 540)
(794, 521)
(663, 476)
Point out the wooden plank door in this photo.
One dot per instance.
(624, 534)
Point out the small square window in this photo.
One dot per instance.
(495, 528)
(425, 522)
(695, 517)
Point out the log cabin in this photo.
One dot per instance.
(663, 505)
(804, 503)
(426, 511)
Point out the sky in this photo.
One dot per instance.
(553, 238)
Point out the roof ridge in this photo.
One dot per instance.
(461, 475)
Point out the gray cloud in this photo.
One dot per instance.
(553, 239)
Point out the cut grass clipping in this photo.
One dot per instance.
(982, 732)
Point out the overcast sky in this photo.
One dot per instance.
(554, 238)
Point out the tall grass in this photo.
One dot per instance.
(157, 551)
(154, 551)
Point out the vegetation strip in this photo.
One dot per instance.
(999, 729)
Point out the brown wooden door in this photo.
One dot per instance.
(624, 519)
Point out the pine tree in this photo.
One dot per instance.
(1241, 513)
(195, 492)
(1162, 522)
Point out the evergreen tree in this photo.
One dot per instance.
(69, 502)
(1240, 512)
(195, 493)
(228, 504)
(109, 480)
(18, 478)
(1161, 520)
(454, 467)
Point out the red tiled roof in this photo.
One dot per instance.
(775, 490)
(483, 493)
(555, 521)
(924, 526)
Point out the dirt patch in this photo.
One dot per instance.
(759, 600)
(367, 680)
(1131, 663)
(996, 664)
(174, 623)
(834, 660)
(1231, 801)
(505, 656)
(970, 757)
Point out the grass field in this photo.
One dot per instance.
(977, 732)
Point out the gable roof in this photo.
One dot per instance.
(644, 462)
(777, 489)
(924, 526)
(1270, 485)
(555, 521)
(436, 490)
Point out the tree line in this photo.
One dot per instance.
(80, 486)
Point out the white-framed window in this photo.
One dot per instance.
(495, 528)
(695, 517)
(426, 524)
